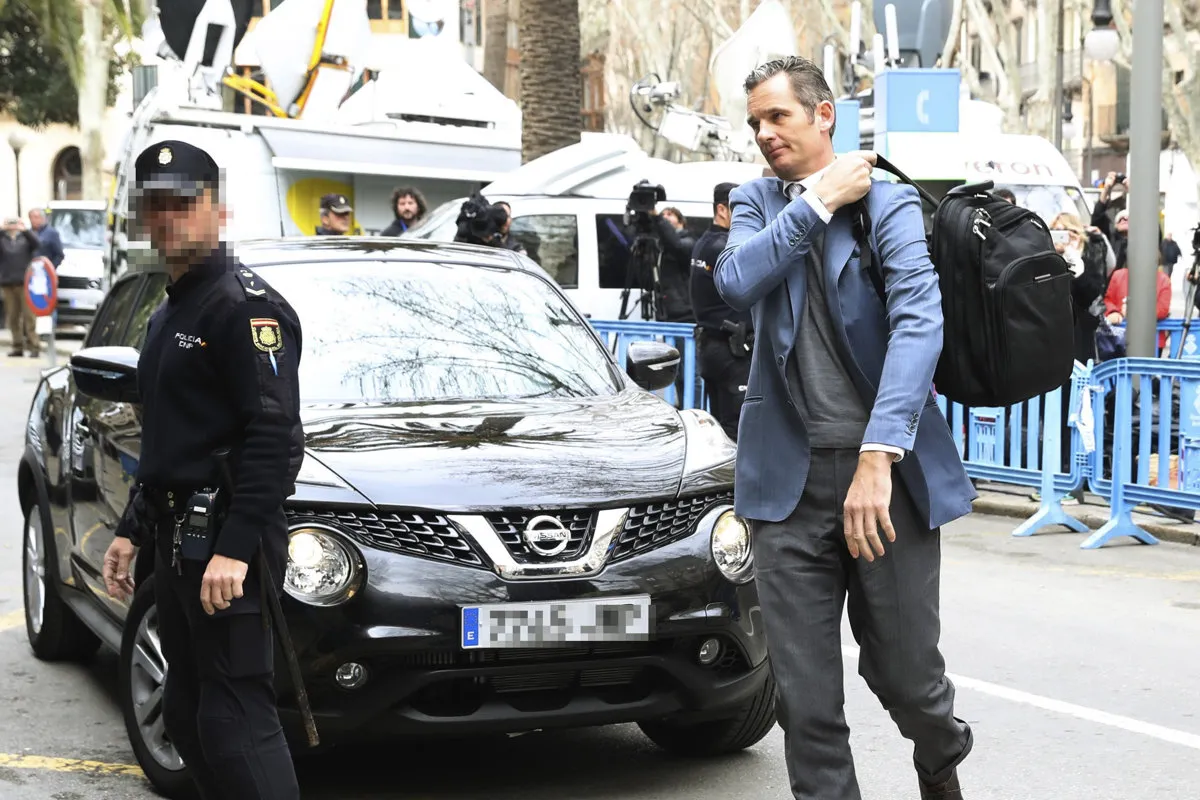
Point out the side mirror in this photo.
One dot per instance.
(107, 373)
(652, 365)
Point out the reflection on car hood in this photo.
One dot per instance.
(467, 456)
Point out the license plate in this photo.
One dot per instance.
(611, 619)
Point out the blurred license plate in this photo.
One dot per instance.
(611, 619)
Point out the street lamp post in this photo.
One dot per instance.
(1056, 116)
(16, 140)
(1145, 143)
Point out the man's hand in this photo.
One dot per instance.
(222, 582)
(847, 180)
(867, 505)
(118, 580)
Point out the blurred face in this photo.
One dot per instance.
(36, 218)
(1123, 225)
(507, 218)
(182, 229)
(406, 208)
(675, 221)
(794, 143)
(338, 223)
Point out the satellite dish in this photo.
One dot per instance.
(180, 19)
(766, 34)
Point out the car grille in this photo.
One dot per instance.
(654, 525)
(73, 282)
(416, 533)
(510, 527)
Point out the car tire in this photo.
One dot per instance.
(142, 671)
(54, 632)
(752, 722)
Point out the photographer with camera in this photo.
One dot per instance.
(724, 337)
(659, 258)
(480, 222)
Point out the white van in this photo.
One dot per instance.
(568, 209)
(275, 170)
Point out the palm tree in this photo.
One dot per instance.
(84, 32)
(551, 87)
(495, 42)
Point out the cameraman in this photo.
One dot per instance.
(724, 337)
(480, 222)
(675, 266)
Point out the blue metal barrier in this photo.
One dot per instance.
(617, 334)
(1154, 382)
(1176, 346)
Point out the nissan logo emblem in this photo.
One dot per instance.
(547, 536)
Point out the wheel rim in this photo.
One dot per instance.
(35, 573)
(147, 675)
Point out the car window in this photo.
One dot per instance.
(613, 241)
(390, 332)
(552, 240)
(114, 314)
(150, 299)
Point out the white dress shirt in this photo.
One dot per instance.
(793, 190)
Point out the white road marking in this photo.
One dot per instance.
(1067, 709)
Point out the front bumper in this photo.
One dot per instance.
(404, 627)
(78, 306)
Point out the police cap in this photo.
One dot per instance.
(175, 167)
(337, 203)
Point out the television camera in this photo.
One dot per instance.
(480, 222)
(1192, 278)
(645, 254)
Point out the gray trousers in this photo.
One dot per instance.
(804, 574)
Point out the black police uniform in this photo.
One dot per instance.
(723, 349)
(218, 370)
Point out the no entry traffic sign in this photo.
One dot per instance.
(41, 287)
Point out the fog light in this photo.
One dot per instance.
(351, 675)
(709, 651)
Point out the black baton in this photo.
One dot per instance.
(276, 612)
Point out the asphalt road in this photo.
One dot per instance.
(1077, 671)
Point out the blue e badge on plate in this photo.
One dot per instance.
(470, 627)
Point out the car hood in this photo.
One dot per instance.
(479, 456)
(82, 263)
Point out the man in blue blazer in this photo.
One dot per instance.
(839, 401)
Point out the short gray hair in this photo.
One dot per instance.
(808, 82)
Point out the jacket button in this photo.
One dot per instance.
(779, 360)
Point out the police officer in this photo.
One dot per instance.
(335, 215)
(217, 372)
(724, 336)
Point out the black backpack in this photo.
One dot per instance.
(1009, 329)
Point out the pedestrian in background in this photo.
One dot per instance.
(50, 242)
(839, 404)
(408, 208)
(218, 369)
(17, 248)
(335, 215)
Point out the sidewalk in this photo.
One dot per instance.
(64, 347)
(1016, 502)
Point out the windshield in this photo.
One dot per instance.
(79, 227)
(393, 332)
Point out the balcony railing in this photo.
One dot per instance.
(1031, 72)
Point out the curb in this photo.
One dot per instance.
(1177, 533)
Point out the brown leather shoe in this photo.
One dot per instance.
(950, 790)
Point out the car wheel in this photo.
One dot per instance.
(142, 675)
(752, 722)
(54, 632)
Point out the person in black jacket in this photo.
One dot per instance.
(17, 249)
(409, 208)
(219, 390)
(723, 335)
(675, 267)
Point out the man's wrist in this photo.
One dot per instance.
(876, 459)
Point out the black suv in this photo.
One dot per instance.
(495, 529)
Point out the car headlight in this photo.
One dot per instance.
(707, 444)
(731, 547)
(322, 570)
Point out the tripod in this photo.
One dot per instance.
(1189, 309)
(645, 257)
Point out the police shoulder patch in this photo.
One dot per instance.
(265, 333)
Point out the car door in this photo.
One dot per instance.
(94, 472)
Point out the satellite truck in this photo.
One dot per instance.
(332, 114)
